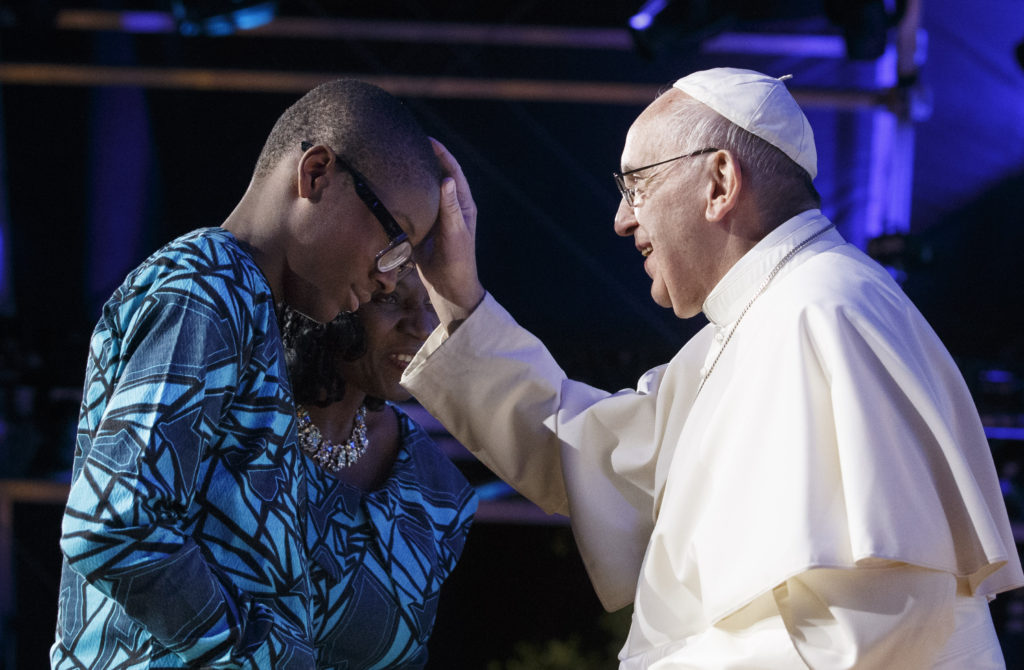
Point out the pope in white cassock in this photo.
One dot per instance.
(807, 482)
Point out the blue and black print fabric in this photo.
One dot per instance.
(183, 536)
(380, 557)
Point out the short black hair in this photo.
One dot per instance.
(370, 128)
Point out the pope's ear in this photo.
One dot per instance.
(726, 179)
(314, 171)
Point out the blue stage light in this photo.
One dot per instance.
(221, 17)
(644, 18)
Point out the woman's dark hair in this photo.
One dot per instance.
(312, 350)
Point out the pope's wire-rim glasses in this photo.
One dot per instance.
(399, 249)
(629, 192)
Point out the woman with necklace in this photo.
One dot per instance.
(388, 513)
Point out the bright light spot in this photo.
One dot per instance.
(147, 22)
(255, 16)
(640, 21)
(643, 19)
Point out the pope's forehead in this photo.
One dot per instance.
(652, 122)
(639, 148)
(661, 110)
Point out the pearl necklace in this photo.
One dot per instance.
(757, 294)
(329, 455)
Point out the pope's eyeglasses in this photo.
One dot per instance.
(629, 192)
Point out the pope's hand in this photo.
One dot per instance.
(447, 258)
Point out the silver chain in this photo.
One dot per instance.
(757, 294)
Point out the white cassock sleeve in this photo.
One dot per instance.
(513, 407)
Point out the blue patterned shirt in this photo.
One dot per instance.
(380, 557)
(182, 535)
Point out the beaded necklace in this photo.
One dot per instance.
(332, 456)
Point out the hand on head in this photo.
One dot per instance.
(446, 260)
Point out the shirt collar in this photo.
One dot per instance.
(727, 299)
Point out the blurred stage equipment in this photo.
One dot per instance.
(220, 17)
(865, 24)
(33, 15)
(684, 24)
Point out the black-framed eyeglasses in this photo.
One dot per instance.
(629, 192)
(399, 249)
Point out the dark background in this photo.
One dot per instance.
(110, 145)
(96, 176)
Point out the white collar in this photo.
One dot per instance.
(727, 299)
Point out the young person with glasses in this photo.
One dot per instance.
(807, 482)
(184, 532)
